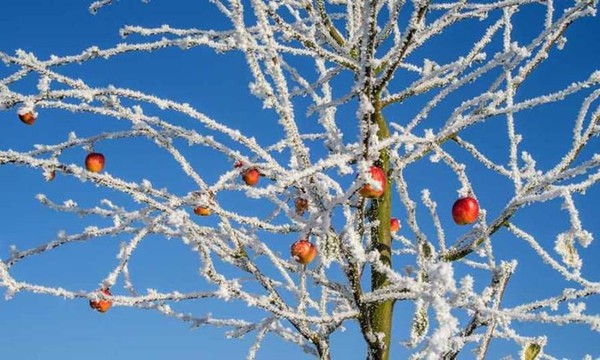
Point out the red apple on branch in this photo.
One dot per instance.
(303, 251)
(94, 162)
(379, 177)
(202, 211)
(27, 117)
(394, 225)
(465, 210)
(250, 176)
(102, 305)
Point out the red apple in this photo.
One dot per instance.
(465, 210)
(28, 117)
(51, 175)
(303, 251)
(301, 205)
(102, 305)
(394, 225)
(379, 176)
(202, 211)
(251, 176)
(94, 162)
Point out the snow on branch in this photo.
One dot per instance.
(97, 5)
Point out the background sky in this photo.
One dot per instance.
(43, 327)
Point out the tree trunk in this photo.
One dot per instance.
(381, 313)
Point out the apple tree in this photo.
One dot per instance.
(400, 152)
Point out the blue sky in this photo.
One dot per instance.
(41, 327)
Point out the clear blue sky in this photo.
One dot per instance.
(40, 327)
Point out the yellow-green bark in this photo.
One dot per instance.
(381, 313)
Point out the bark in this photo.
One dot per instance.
(381, 313)
(323, 349)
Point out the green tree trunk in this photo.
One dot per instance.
(381, 313)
